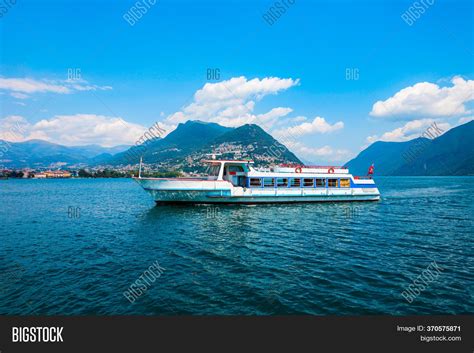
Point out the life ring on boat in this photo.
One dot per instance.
(331, 170)
(298, 170)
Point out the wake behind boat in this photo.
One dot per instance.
(237, 181)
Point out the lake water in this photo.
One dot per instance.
(73, 247)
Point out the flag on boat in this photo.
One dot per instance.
(371, 170)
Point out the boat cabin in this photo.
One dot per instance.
(232, 171)
(241, 173)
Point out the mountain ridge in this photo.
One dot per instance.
(189, 143)
(449, 154)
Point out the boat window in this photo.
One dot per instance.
(320, 183)
(332, 183)
(345, 183)
(282, 182)
(256, 182)
(308, 183)
(295, 183)
(235, 168)
(268, 182)
(213, 170)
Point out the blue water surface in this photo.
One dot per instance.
(72, 247)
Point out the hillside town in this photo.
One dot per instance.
(61, 174)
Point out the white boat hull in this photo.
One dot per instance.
(210, 191)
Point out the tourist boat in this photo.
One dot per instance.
(237, 181)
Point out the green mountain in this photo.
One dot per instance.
(450, 154)
(38, 153)
(185, 147)
(252, 142)
(179, 143)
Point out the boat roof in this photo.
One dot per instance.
(226, 161)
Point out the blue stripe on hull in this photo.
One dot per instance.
(259, 201)
(263, 199)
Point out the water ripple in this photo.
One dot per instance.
(340, 259)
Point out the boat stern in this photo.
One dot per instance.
(365, 186)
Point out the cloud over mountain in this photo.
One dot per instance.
(318, 125)
(72, 130)
(231, 103)
(427, 99)
(409, 131)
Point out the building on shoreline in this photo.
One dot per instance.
(53, 174)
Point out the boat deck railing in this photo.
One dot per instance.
(312, 166)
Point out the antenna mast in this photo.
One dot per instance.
(140, 168)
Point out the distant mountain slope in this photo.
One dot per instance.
(39, 153)
(387, 157)
(95, 150)
(35, 153)
(450, 154)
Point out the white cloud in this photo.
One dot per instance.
(13, 128)
(465, 119)
(19, 95)
(241, 88)
(28, 85)
(427, 99)
(73, 130)
(318, 125)
(274, 114)
(325, 153)
(298, 119)
(88, 87)
(20, 87)
(409, 131)
(232, 102)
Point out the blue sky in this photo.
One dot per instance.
(290, 77)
